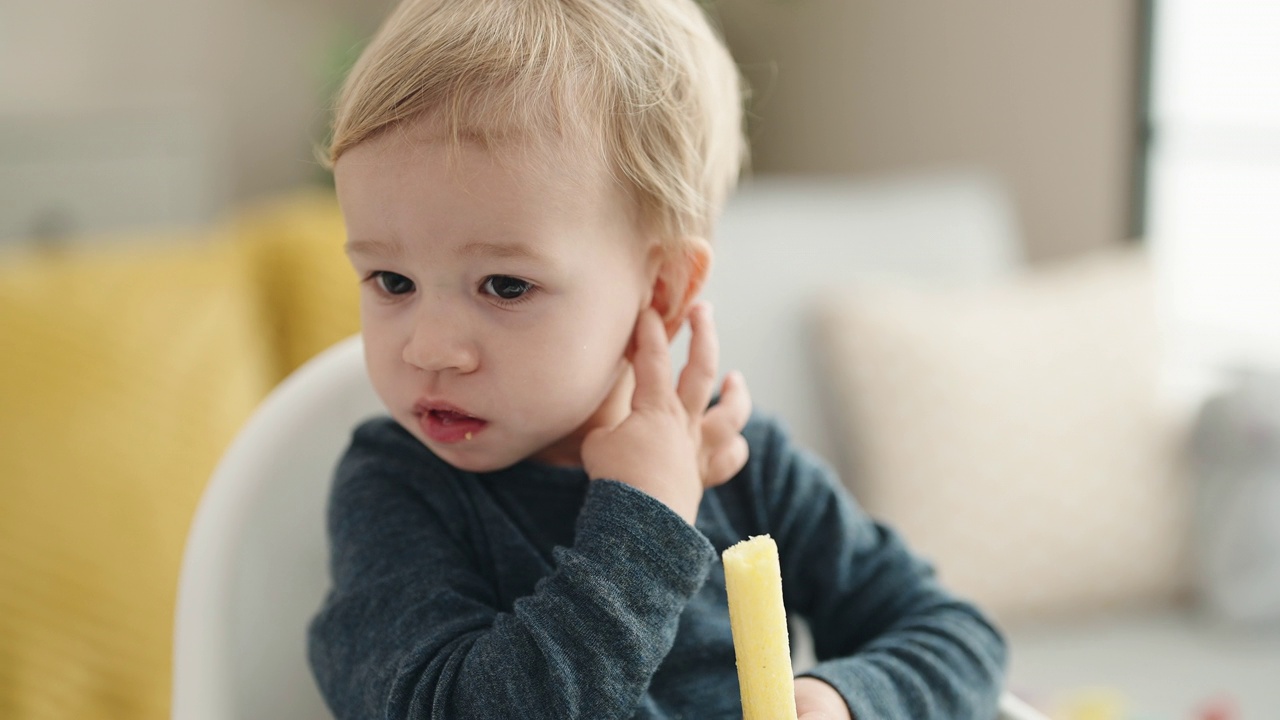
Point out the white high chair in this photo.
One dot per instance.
(255, 568)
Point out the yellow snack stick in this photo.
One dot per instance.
(759, 624)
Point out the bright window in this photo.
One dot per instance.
(1213, 208)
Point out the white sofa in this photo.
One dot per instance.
(783, 241)
(786, 241)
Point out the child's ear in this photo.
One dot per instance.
(682, 271)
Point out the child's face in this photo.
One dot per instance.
(498, 299)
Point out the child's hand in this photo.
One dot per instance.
(816, 700)
(671, 446)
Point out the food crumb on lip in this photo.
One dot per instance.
(468, 435)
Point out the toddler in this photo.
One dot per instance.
(529, 187)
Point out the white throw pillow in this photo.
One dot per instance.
(1013, 433)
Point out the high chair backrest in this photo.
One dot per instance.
(255, 566)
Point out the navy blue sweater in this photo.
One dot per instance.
(532, 592)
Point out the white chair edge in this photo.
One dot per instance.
(202, 689)
(1011, 708)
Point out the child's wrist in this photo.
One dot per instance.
(687, 509)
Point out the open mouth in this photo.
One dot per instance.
(449, 417)
(448, 425)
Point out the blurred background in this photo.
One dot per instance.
(1084, 191)
(181, 111)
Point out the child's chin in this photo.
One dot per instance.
(477, 465)
(474, 462)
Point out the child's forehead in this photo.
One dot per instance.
(549, 154)
(568, 172)
(521, 181)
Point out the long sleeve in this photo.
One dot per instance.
(415, 625)
(887, 636)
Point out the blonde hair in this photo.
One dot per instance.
(648, 82)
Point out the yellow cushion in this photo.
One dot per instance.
(124, 376)
(126, 371)
(308, 288)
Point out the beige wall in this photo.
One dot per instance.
(1041, 93)
(251, 68)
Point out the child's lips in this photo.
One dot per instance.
(447, 424)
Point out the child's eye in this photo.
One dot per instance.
(392, 283)
(504, 287)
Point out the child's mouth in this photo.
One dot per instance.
(450, 426)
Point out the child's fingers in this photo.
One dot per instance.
(734, 408)
(725, 461)
(725, 450)
(698, 379)
(652, 361)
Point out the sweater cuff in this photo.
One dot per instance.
(621, 524)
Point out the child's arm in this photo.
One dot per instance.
(415, 626)
(888, 637)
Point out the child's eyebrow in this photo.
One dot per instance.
(499, 250)
(374, 247)
(383, 248)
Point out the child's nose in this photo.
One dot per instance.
(441, 342)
